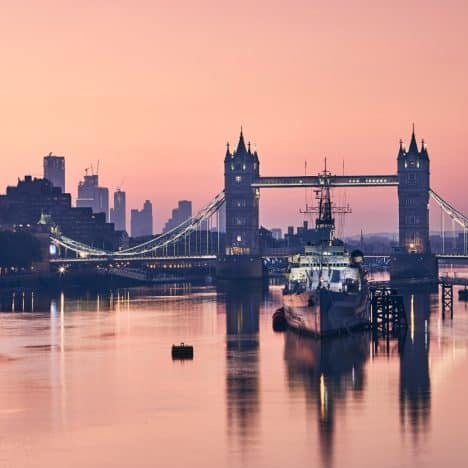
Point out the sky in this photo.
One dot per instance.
(155, 89)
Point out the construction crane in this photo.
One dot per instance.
(120, 186)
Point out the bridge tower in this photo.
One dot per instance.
(413, 258)
(241, 257)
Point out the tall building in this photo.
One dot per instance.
(54, 170)
(28, 202)
(179, 215)
(142, 221)
(118, 213)
(90, 195)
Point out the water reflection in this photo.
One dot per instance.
(415, 382)
(242, 302)
(101, 360)
(27, 300)
(327, 371)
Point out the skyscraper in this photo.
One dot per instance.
(142, 220)
(179, 215)
(118, 213)
(54, 170)
(90, 195)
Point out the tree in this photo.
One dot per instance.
(18, 249)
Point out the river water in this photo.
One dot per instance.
(87, 380)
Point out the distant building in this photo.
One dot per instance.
(179, 215)
(54, 170)
(277, 233)
(90, 195)
(28, 202)
(118, 213)
(142, 221)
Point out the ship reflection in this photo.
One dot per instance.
(327, 371)
(242, 361)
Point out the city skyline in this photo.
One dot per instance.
(233, 234)
(166, 115)
(339, 195)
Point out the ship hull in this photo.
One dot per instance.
(322, 312)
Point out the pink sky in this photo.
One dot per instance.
(155, 90)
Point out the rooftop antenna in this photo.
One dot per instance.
(121, 184)
(97, 168)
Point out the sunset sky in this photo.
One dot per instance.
(155, 89)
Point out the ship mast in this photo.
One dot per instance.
(324, 211)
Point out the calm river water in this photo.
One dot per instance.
(88, 381)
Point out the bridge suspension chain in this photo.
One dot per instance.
(151, 246)
(452, 212)
(190, 225)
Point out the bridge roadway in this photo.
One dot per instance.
(447, 257)
(179, 262)
(451, 257)
(330, 180)
(107, 259)
(267, 253)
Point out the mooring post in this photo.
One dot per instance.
(447, 299)
(388, 311)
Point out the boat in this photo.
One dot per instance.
(327, 291)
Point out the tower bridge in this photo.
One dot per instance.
(240, 255)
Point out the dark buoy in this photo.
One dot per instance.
(279, 321)
(182, 351)
(463, 294)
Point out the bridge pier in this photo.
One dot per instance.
(404, 265)
(239, 267)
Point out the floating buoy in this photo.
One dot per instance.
(279, 321)
(182, 351)
(463, 294)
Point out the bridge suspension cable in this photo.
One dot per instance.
(79, 248)
(163, 241)
(452, 212)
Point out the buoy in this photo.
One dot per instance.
(463, 294)
(182, 351)
(279, 321)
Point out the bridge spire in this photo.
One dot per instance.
(424, 149)
(241, 149)
(401, 151)
(413, 148)
(228, 153)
